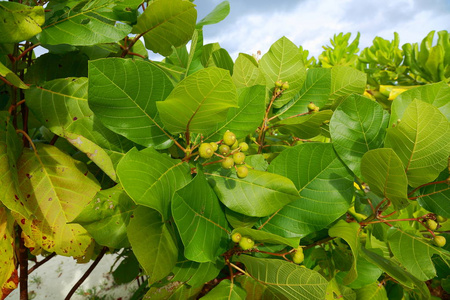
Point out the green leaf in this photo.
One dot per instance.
(283, 62)
(383, 171)
(226, 290)
(129, 90)
(246, 72)
(307, 126)
(239, 220)
(267, 237)
(152, 241)
(421, 141)
(151, 179)
(346, 81)
(65, 188)
(257, 162)
(367, 273)
(106, 217)
(247, 117)
(166, 23)
(85, 23)
(324, 184)
(437, 94)
(259, 194)
(11, 76)
(349, 232)
(200, 221)
(219, 13)
(374, 291)
(173, 291)
(258, 290)
(8, 258)
(357, 126)
(222, 59)
(287, 278)
(414, 253)
(10, 149)
(316, 89)
(196, 274)
(19, 22)
(199, 102)
(338, 291)
(436, 197)
(396, 272)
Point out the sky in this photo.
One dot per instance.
(254, 25)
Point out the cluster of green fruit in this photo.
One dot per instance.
(245, 242)
(230, 150)
(438, 240)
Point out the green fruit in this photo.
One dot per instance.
(244, 146)
(298, 257)
(439, 241)
(214, 146)
(242, 171)
(227, 163)
(246, 243)
(278, 83)
(235, 145)
(229, 138)
(285, 86)
(431, 224)
(238, 158)
(236, 237)
(224, 149)
(441, 219)
(206, 150)
(312, 107)
(299, 249)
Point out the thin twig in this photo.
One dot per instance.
(40, 263)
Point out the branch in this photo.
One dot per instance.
(40, 263)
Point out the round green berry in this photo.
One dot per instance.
(238, 158)
(224, 149)
(299, 249)
(244, 146)
(278, 83)
(229, 138)
(298, 257)
(441, 219)
(242, 171)
(285, 86)
(214, 146)
(312, 107)
(235, 145)
(246, 243)
(236, 237)
(206, 150)
(227, 163)
(439, 241)
(431, 224)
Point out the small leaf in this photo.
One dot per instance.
(200, 221)
(196, 274)
(226, 290)
(152, 242)
(11, 76)
(307, 126)
(383, 171)
(19, 22)
(266, 237)
(435, 197)
(374, 291)
(173, 291)
(287, 278)
(219, 13)
(166, 23)
(199, 102)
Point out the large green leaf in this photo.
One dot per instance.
(436, 197)
(57, 188)
(266, 237)
(283, 62)
(226, 290)
(350, 233)
(196, 274)
(219, 13)
(199, 102)
(166, 23)
(258, 290)
(10, 149)
(421, 141)
(106, 217)
(153, 243)
(247, 117)
(357, 126)
(8, 257)
(346, 81)
(316, 89)
(11, 76)
(289, 279)
(374, 291)
(383, 171)
(19, 22)
(437, 94)
(151, 179)
(246, 72)
(367, 273)
(325, 186)
(128, 90)
(414, 253)
(259, 194)
(86, 23)
(200, 221)
(307, 126)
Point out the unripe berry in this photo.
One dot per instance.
(279, 83)
(246, 243)
(235, 145)
(312, 107)
(285, 86)
(229, 138)
(431, 224)
(224, 149)
(206, 150)
(441, 219)
(236, 237)
(299, 249)
(227, 163)
(242, 171)
(439, 241)
(244, 146)
(238, 158)
(298, 257)
(214, 146)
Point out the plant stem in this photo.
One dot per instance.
(264, 126)
(40, 263)
(85, 275)
(427, 184)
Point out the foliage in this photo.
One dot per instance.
(284, 177)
